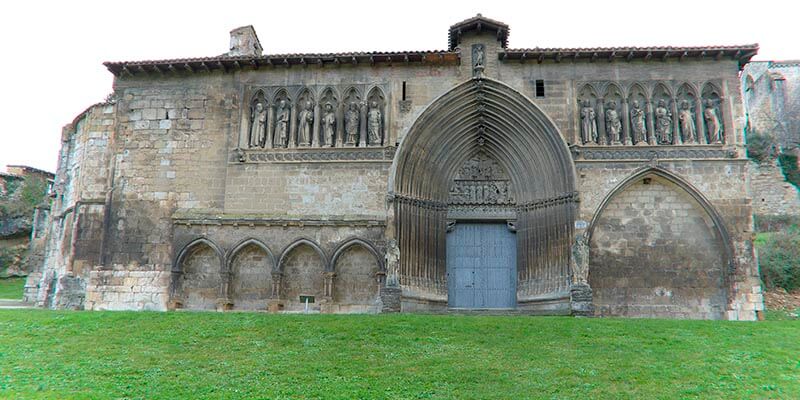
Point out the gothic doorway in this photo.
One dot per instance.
(483, 155)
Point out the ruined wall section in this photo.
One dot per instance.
(76, 219)
(772, 195)
(171, 140)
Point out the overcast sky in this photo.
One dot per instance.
(52, 53)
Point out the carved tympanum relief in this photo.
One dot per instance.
(481, 181)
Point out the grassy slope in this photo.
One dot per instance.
(11, 288)
(246, 355)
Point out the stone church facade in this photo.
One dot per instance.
(603, 181)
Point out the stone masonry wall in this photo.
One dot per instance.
(772, 195)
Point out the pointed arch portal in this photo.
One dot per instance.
(486, 117)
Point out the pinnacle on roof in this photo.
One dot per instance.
(478, 24)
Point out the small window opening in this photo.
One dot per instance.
(404, 90)
(540, 88)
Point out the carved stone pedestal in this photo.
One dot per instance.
(224, 305)
(390, 297)
(274, 305)
(580, 297)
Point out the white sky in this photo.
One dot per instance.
(52, 53)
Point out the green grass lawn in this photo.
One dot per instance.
(11, 288)
(55, 354)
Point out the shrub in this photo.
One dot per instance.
(779, 259)
(788, 164)
(761, 148)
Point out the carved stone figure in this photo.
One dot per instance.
(282, 125)
(638, 123)
(663, 123)
(374, 124)
(306, 124)
(686, 120)
(392, 263)
(478, 55)
(329, 125)
(588, 123)
(712, 123)
(257, 126)
(478, 60)
(613, 124)
(580, 260)
(351, 122)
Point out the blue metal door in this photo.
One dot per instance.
(481, 266)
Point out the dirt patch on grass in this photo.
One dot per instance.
(779, 299)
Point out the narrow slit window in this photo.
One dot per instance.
(540, 88)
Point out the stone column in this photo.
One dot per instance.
(270, 129)
(315, 133)
(727, 122)
(292, 126)
(362, 125)
(339, 139)
(676, 130)
(651, 130)
(277, 278)
(699, 122)
(602, 136)
(328, 278)
(626, 123)
(223, 301)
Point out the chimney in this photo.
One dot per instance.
(244, 42)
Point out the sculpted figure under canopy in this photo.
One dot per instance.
(588, 123)
(306, 120)
(257, 126)
(282, 125)
(613, 124)
(712, 123)
(686, 122)
(374, 122)
(663, 123)
(329, 125)
(351, 124)
(637, 123)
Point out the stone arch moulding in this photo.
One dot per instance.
(177, 266)
(356, 242)
(186, 250)
(684, 185)
(484, 115)
(299, 242)
(243, 244)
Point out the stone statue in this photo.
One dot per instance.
(306, 124)
(329, 125)
(282, 125)
(686, 122)
(637, 123)
(392, 264)
(579, 262)
(478, 60)
(613, 124)
(663, 123)
(351, 122)
(712, 123)
(374, 124)
(257, 126)
(478, 56)
(588, 123)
